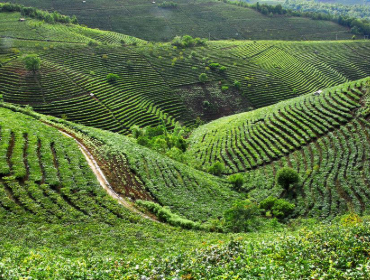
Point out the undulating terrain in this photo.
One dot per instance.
(200, 18)
(124, 158)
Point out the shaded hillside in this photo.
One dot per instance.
(200, 18)
(325, 137)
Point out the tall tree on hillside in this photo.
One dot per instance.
(32, 62)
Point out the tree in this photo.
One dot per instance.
(279, 208)
(203, 77)
(111, 78)
(237, 180)
(32, 62)
(286, 177)
(217, 168)
(242, 216)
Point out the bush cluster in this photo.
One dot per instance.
(165, 215)
(187, 41)
(38, 14)
(357, 26)
(172, 143)
(279, 208)
(168, 5)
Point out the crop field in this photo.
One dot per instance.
(183, 189)
(126, 157)
(44, 176)
(201, 18)
(324, 136)
(157, 82)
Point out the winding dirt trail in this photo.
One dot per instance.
(102, 179)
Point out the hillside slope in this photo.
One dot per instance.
(159, 82)
(35, 155)
(325, 137)
(201, 18)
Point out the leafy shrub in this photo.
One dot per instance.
(168, 5)
(38, 14)
(32, 62)
(165, 215)
(203, 77)
(187, 41)
(217, 168)
(176, 154)
(223, 69)
(111, 78)
(224, 88)
(242, 216)
(92, 43)
(286, 177)
(214, 66)
(279, 208)
(237, 84)
(237, 180)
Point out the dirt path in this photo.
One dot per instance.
(102, 179)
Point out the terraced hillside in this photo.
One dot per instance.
(324, 136)
(44, 174)
(158, 82)
(201, 18)
(45, 178)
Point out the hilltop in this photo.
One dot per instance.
(201, 18)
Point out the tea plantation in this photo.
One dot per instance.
(57, 223)
(201, 18)
(122, 158)
(159, 83)
(324, 136)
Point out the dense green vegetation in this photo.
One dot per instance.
(323, 136)
(277, 189)
(159, 83)
(337, 251)
(353, 11)
(200, 18)
(355, 24)
(44, 177)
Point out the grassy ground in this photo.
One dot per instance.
(200, 18)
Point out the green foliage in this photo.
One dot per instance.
(32, 62)
(92, 43)
(279, 208)
(237, 180)
(237, 84)
(224, 88)
(223, 69)
(187, 41)
(286, 177)
(112, 78)
(217, 168)
(203, 77)
(242, 217)
(214, 66)
(165, 215)
(168, 5)
(171, 143)
(38, 14)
